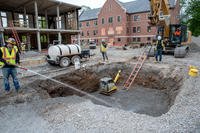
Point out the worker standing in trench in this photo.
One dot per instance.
(9, 57)
(103, 49)
(159, 48)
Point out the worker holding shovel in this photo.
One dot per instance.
(9, 57)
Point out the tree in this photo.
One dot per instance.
(193, 13)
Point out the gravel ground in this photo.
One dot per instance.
(74, 114)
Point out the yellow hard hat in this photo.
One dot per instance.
(11, 41)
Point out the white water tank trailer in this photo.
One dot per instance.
(63, 55)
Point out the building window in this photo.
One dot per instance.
(42, 22)
(119, 39)
(134, 39)
(110, 19)
(102, 20)
(88, 33)
(138, 29)
(88, 24)
(148, 28)
(118, 18)
(82, 33)
(80, 24)
(4, 19)
(70, 20)
(95, 32)
(43, 39)
(134, 29)
(95, 23)
(136, 18)
(23, 23)
(138, 39)
(148, 38)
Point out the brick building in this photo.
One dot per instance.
(122, 23)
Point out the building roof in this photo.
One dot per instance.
(131, 7)
(89, 14)
(49, 5)
(139, 6)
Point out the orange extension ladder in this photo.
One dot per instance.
(15, 34)
(135, 70)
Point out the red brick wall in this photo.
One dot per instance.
(175, 13)
(122, 32)
(112, 9)
(143, 24)
(89, 29)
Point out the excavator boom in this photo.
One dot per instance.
(160, 15)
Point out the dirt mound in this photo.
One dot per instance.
(195, 47)
(83, 80)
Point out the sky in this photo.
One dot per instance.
(91, 3)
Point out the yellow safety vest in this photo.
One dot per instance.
(16, 48)
(103, 49)
(162, 44)
(10, 58)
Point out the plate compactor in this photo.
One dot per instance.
(107, 84)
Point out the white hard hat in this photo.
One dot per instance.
(11, 41)
(103, 40)
(159, 38)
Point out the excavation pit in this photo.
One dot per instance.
(153, 91)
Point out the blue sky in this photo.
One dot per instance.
(90, 3)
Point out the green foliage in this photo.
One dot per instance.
(183, 3)
(193, 13)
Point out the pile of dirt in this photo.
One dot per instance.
(83, 80)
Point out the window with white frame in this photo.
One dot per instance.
(88, 24)
(148, 28)
(118, 18)
(23, 22)
(110, 20)
(136, 18)
(102, 21)
(4, 19)
(95, 23)
(134, 29)
(138, 29)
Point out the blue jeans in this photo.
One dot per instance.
(104, 54)
(6, 74)
(159, 53)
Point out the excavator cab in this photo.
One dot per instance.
(172, 37)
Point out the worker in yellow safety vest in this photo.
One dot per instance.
(9, 57)
(103, 50)
(159, 48)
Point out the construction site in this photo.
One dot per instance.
(71, 89)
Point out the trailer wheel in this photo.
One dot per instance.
(75, 58)
(64, 62)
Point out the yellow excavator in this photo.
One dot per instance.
(160, 17)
